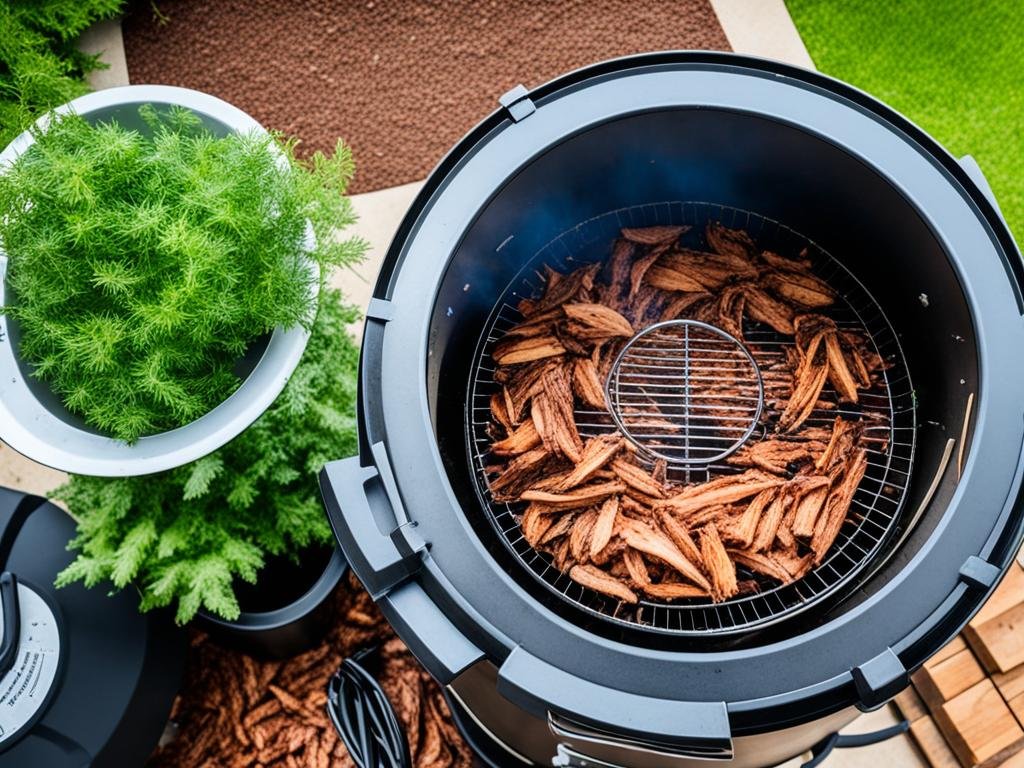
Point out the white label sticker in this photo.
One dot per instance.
(24, 688)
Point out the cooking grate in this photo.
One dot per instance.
(887, 411)
(685, 391)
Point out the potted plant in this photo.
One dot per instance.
(41, 66)
(198, 537)
(161, 259)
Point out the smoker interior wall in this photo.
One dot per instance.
(739, 160)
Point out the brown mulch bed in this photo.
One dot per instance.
(236, 712)
(400, 81)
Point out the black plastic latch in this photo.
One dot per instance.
(380, 309)
(879, 679)
(517, 103)
(382, 548)
(979, 573)
(431, 636)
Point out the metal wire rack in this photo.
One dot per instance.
(685, 391)
(887, 411)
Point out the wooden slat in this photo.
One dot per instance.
(978, 725)
(1010, 684)
(999, 642)
(932, 744)
(1016, 705)
(1008, 594)
(910, 705)
(1014, 761)
(939, 682)
(951, 648)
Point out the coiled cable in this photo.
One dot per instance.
(364, 717)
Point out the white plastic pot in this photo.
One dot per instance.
(33, 420)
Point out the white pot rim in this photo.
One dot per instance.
(39, 432)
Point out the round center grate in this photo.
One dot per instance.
(686, 392)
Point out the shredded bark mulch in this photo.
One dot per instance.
(400, 81)
(236, 712)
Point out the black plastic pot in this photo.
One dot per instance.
(916, 226)
(287, 611)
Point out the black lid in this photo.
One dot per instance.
(103, 675)
(410, 540)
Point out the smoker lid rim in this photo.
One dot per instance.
(756, 66)
(433, 578)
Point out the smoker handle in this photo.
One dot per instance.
(363, 507)
(384, 551)
(601, 716)
(12, 621)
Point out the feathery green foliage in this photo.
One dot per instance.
(143, 263)
(185, 535)
(40, 67)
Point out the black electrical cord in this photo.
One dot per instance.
(364, 717)
(824, 748)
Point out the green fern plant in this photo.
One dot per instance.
(186, 535)
(40, 67)
(143, 263)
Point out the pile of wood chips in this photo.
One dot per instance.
(615, 521)
(237, 712)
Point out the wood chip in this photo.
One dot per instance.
(743, 531)
(725, 490)
(638, 479)
(800, 288)
(524, 350)
(579, 538)
(587, 384)
(636, 567)
(807, 510)
(599, 581)
(581, 497)
(521, 439)
(597, 452)
(837, 506)
(680, 536)
(671, 590)
(733, 242)
(596, 321)
(657, 544)
(718, 564)
(604, 525)
(535, 523)
(653, 235)
(768, 526)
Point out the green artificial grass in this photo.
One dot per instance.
(954, 68)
